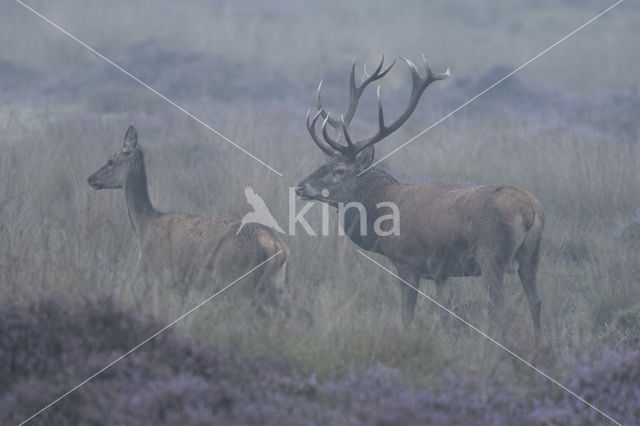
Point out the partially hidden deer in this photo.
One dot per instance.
(183, 250)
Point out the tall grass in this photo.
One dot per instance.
(560, 135)
(63, 236)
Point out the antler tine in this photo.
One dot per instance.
(380, 111)
(311, 126)
(442, 76)
(383, 73)
(420, 83)
(318, 103)
(355, 91)
(366, 78)
(334, 123)
(418, 86)
(352, 75)
(376, 75)
(416, 78)
(346, 134)
(333, 143)
(351, 149)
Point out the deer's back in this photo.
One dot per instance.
(189, 245)
(440, 221)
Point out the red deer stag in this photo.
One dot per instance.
(445, 230)
(191, 250)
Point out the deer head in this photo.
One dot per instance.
(335, 181)
(113, 174)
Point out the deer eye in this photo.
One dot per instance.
(339, 172)
(109, 163)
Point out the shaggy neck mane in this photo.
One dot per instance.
(372, 182)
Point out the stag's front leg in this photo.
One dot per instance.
(408, 295)
(447, 320)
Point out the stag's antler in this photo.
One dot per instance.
(351, 149)
(354, 91)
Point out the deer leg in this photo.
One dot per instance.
(290, 303)
(270, 295)
(408, 295)
(493, 277)
(152, 280)
(445, 317)
(528, 259)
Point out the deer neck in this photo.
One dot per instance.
(371, 189)
(136, 192)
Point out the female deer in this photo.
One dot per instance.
(191, 250)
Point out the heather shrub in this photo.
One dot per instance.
(47, 346)
(565, 128)
(608, 378)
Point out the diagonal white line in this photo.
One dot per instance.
(494, 85)
(494, 341)
(142, 83)
(136, 347)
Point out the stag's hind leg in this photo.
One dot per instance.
(446, 318)
(528, 256)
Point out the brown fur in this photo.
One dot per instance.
(445, 230)
(195, 251)
(448, 231)
(186, 251)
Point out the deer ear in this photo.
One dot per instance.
(365, 158)
(131, 138)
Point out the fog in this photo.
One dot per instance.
(565, 128)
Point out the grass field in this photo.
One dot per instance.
(565, 128)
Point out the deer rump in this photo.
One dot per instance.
(193, 251)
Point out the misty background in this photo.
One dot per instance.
(565, 128)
